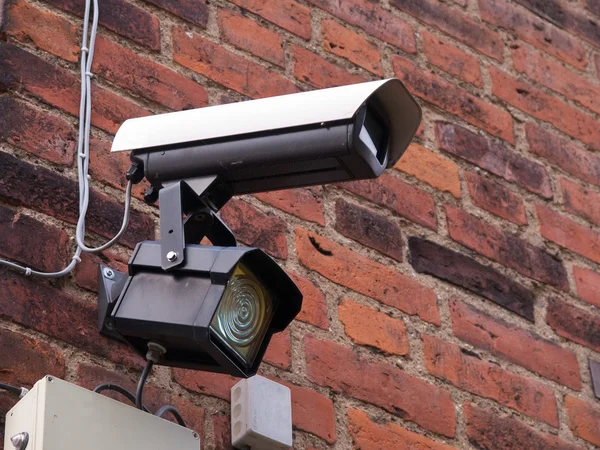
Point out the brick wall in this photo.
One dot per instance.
(452, 302)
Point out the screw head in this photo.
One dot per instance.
(108, 273)
(20, 440)
(195, 435)
(172, 256)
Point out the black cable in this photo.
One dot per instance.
(11, 389)
(121, 390)
(173, 411)
(140, 388)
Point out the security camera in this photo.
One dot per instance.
(317, 137)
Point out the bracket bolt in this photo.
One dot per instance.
(20, 440)
(172, 256)
(108, 273)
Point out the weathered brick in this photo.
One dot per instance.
(431, 168)
(495, 198)
(207, 383)
(445, 95)
(569, 157)
(433, 259)
(534, 30)
(344, 42)
(54, 85)
(123, 18)
(546, 107)
(493, 156)
(255, 228)
(368, 228)
(39, 306)
(569, 234)
(588, 285)
(36, 132)
(317, 71)
(593, 6)
(194, 11)
(574, 323)
(106, 167)
(486, 429)
(375, 20)
(86, 272)
(145, 77)
(507, 249)
(583, 419)
(279, 351)
(511, 342)
(557, 77)
(469, 372)
(369, 435)
(46, 30)
(19, 185)
(580, 201)
(367, 326)
(305, 203)
(366, 276)
(246, 34)
(222, 432)
(330, 364)
(288, 14)
(562, 16)
(230, 70)
(314, 310)
(451, 59)
(454, 23)
(402, 198)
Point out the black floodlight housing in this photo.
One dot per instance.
(215, 308)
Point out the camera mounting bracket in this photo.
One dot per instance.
(188, 214)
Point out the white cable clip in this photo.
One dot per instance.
(27, 271)
(76, 258)
(85, 50)
(82, 155)
(89, 74)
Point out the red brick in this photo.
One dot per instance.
(368, 228)
(588, 285)
(433, 259)
(86, 272)
(330, 364)
(467, 371)
(230, 70)
(431, 168)
(486, 429)
(511, 342)
(366, 276)
(534, 30)
(246, 34)
(344, 42)
(207, 383)
(546, 107)
(305, 203)
(493, 156)
(146, 78)
(255, 228)
(194, 11)
(456, 24)
(569, 157)
(580, 201)
(451, 59)
(313, 69)
(288, 14)
(279, 351)
(574, 323)
(367, 326)
(445, 95)
(569, 234)
(584, 419)
(58, 87)
(36, 132)
(314, 310)
(369, 435)
(593, 6)
(557, 77)
(108, 168)
(123, 18)
(46, 30)
(373, 19)
(402, 198)
(19, 185)
(42, 308)
(495, 198)
(507, 249)
(222, 432)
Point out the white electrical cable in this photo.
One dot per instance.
(83, 155)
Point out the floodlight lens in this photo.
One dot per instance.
(244, 314)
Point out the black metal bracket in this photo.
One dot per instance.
(188, 214)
